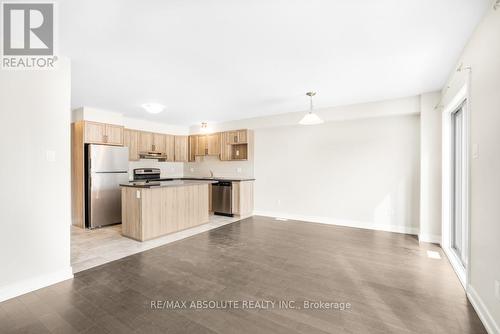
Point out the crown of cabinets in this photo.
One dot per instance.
(100, 133)
(229, 145)
(174, 147)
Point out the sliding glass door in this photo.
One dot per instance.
(458, 227)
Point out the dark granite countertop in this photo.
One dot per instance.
(161, 184)
(230, 179)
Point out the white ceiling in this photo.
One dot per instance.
(218, 60)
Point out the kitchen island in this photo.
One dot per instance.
(153, 209)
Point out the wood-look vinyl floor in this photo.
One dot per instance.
(388, 278)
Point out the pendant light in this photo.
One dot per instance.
(311, 118)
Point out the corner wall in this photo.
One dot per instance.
(482, 55)
(35, 211)
(430, 168)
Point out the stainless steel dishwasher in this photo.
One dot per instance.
(222, 198)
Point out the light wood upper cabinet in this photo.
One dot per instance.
(193, 143)
(201, 145)
(170, 147)
(94, 132)
(114, 134)
(181, 148)
(159, 143)
(213, 144)
(100, 133)
(131, 140)
(235, 145)
(231, 137)
(242, 136)
(145, 141)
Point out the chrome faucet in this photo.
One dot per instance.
(211, 173)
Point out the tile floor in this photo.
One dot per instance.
(91, 248)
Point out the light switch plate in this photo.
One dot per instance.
(475, 151)
(238, 170)
(50, 155)
(191, 169)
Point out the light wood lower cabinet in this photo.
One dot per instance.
(151, 213)
(242, 197)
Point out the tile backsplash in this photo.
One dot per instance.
(200, 168)
(168, 169)
(204, 165)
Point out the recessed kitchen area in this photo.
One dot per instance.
(120, 208)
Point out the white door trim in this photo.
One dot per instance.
(462, 97)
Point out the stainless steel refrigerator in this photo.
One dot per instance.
(107, 167)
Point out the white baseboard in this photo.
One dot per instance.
(32, 284)
(432, 238)
(488, 321)
(340, 222)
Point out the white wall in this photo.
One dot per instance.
(430, 168)
(35, 197)
(362, 173)
(482, 54)
(203, 165)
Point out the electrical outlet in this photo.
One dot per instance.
(191, 169)
(238, 170)
(278, 202)
(497, 289)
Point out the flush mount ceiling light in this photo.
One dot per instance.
(153, 108)
(204, 128)
(311, 118)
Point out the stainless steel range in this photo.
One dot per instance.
(149, 174)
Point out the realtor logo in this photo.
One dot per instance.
(28, 35)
